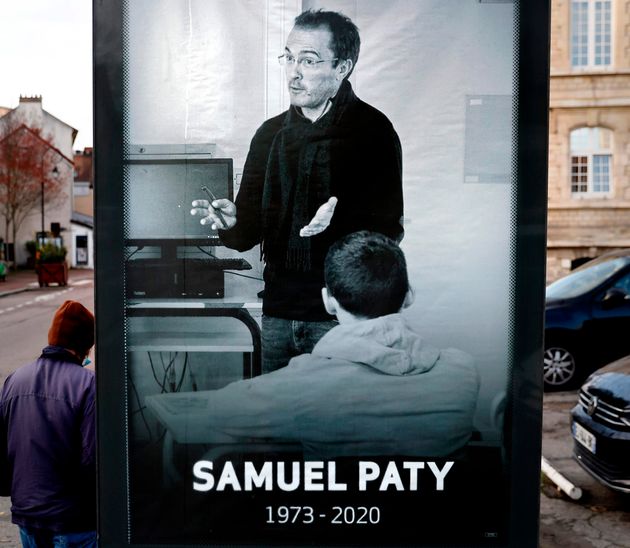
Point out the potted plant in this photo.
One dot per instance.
(51, 266)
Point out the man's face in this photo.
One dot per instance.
(310, 88)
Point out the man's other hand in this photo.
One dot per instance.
(221, 214)
(322, 219)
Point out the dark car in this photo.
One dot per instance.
(601, 425)
(587, 320)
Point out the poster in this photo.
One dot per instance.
(182, 87)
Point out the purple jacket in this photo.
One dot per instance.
(47, 443)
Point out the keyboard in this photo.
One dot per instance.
(231, 263)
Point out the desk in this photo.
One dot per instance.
(185, 419)
(199, 342)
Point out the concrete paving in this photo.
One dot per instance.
(601, 518)
(9, 535)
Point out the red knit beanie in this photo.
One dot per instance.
(72, 327)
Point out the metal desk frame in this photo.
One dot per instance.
(251, 361)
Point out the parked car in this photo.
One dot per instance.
(587, 320)
(601, 425)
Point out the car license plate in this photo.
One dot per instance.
(584, 437)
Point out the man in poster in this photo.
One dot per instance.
(329, 166)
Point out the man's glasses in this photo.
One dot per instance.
(305, 63)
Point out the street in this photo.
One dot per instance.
(25, 319)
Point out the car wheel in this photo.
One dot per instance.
(559, 367)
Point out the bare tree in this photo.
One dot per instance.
(28, 160)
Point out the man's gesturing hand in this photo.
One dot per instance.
(208, 213)
(322, 219)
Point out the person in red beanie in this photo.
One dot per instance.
(47, 438)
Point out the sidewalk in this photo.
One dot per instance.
(17, 282)
(25, 280)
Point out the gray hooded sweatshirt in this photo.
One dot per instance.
(368, 388)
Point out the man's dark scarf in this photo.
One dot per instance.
(298, 180)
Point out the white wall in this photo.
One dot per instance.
(419, 62)
(80, 230)
(60, 136)
(199, 71)
(60, 213)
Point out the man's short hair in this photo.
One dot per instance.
(367, 273)
(345, 41)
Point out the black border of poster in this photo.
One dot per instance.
(524, 413)
(524, 410)
(109, 283)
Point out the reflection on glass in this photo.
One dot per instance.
(584, 279)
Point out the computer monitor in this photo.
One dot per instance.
(159, 193)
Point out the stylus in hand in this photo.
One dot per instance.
(216, 210)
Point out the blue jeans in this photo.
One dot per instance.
(285, 339)
(36, 538)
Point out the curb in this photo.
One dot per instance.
(14, 291)
(26, 288)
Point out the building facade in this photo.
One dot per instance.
(83, 210)
(589, 133)
(29, 116)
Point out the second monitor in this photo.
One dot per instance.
(161, 233)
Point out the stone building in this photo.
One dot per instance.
(589, 133)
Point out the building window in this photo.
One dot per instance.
(591, 161)
(81, 188)
(591, 33)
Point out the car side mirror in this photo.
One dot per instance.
(614, 297)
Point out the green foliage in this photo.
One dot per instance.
(51, 253)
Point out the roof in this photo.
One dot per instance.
(74, 130)
(82, 219)
(83, 166)
(25, 127)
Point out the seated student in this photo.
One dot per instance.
(371, 386)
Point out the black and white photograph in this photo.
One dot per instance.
(316, 222)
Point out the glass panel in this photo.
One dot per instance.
(602, 32)
(584, 279)
(601, 173)
(579, 34)
(580, 139)
(603, 138)
(590, 140)
(183, 396)
(580, 169)
(623, 283)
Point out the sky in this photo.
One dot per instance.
(46, 49)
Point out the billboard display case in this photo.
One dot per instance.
(432, 133)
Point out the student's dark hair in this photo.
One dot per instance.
(367, 273)
(345, 41)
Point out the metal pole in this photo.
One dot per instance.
(42, 232)
(563, 483)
